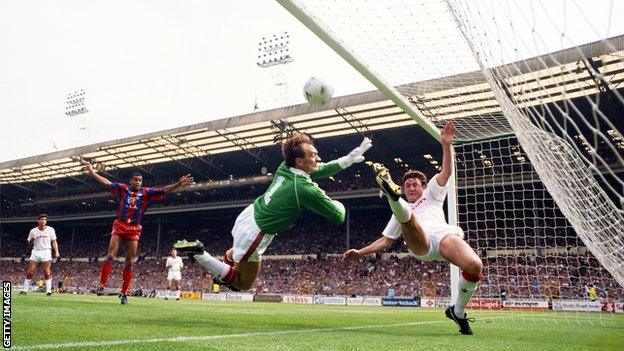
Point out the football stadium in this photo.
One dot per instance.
(288, 240)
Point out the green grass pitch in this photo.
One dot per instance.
(76, 322)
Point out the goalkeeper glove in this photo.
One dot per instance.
(356, 155)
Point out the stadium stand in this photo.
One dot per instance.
(367, 276)
(229, 177)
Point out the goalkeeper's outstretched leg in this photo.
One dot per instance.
(237, 276)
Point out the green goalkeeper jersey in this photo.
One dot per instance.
(293, 191)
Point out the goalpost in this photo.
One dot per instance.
(535, 90)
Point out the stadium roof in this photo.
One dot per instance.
(466, 98)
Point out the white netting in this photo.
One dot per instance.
(550, 72)
(555, 134)
(411, 45)
(531, 252)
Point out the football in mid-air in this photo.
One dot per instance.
(317, 92)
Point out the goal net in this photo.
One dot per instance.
(539, 82)
(534, 259)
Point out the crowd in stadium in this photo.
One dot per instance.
(214, 229)
(92, 199)
(519, 277)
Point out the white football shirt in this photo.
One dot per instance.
(174, 264)
(43, 238)
(428, 210)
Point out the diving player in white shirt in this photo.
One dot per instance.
(174, 267)
(425, 230)
(42, 239)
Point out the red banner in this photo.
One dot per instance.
(485, 304)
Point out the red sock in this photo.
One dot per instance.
(230, 277)
(228, 259)
(107, 266)
(127, 278)
(471, 278)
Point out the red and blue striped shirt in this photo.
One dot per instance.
(132, 204)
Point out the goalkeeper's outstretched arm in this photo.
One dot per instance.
(355, 156)
(312, 198)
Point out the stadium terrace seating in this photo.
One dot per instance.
(367, 276)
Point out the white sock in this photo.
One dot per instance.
(168, 293)
(177, 295)
(216, 267)
(466, 290)
(48, 283)
(400, 209)
(26, 284)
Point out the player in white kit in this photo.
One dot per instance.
(174, 267)
(425, 230)
(42, 238)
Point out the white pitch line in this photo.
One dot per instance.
(209, 337)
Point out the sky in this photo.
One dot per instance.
(145, 66)
(151, 65)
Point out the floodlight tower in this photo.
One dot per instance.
(273, 55)
(76, 109)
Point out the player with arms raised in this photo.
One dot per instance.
(424, 228)
(174, 267)
(292, 191)
(42, 239)
(133, 199)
